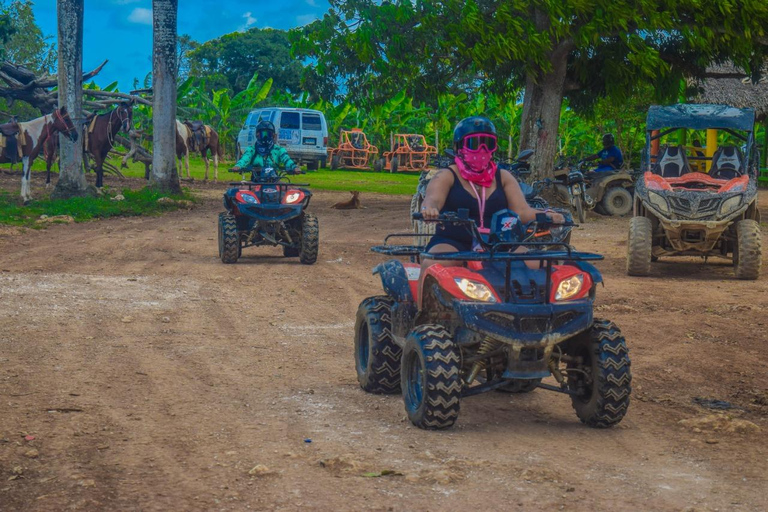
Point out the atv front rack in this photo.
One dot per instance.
(283, 184)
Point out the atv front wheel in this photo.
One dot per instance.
(747, 254)
(429, 376)
(639, 246)
(377, 356)
(579, 207)
(599, 373)
(229, 240)
(617, 201)
(310, 239)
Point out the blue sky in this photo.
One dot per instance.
(121, 30)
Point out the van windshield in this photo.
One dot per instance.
(290, 120)
(311, 122)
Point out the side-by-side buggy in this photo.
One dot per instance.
(353, 152)
(679, 211)
(410, 152)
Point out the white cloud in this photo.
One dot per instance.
(249, 21)
(304, 19)
(309, 2)
(125, 2)
(141, 16)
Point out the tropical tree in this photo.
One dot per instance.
(71, 181)
(164, 20)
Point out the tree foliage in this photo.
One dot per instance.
(231, 60)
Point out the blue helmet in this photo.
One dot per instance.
(265, 137)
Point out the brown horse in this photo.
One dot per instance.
(32, 136)
(99, 131)
(204, 138)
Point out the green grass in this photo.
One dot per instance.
(324, 179)
(137, 202)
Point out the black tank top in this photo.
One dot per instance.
(458, 197)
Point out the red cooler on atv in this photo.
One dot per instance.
(493, 324)
(679, 212)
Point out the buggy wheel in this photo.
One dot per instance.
(335, 161)
(393, 165)
(617, 201)
(639, 246)
(747, 253)
(378, 164)
(429, 376)
(520, 386)
(229, 240)
(377, 356)
(601, 375)
(322, 163)
(310, 239)
(290, 252)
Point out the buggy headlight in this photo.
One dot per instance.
(475, 290)
(731, 204)
(569, 287)
(658, 201)
(292, 197)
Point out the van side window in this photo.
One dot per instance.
(290, 120)
(311, 122)
(266, 115)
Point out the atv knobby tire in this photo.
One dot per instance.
(310, 239)
(639, 246)
(617, 201)
(579, 207)
(430, 378)
(609, 382)
(747, 255)
(229, 239)
(520, 386)
(377, 356)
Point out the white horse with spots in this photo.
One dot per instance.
(30, 137)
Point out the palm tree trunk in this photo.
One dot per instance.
(164, 175)
(71, 181)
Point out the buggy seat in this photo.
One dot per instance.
(727, 163)
(672, 163)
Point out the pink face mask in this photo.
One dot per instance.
(475, 159)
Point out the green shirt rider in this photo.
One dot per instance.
(266, 153)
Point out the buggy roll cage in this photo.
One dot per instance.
(731, 120)
(493, 251)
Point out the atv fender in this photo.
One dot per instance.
(590, 269)
(394, 280)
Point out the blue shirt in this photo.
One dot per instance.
(618, 159)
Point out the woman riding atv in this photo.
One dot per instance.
(266, 153)
(472, 182)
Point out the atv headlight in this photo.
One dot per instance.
(249, 198)
(731, 204)
(569, 287)
(658, 201)
(292, 197)
(475, 290)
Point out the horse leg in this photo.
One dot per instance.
(215, 166)
(186, 161)
(48, 165)
(204, 154)
(26, 197)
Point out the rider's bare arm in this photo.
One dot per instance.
(517, 203)
(437, 193)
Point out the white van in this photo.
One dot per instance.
(301, 131)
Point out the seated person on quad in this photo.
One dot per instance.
(610, 156)
(472, 182)
(266, 152)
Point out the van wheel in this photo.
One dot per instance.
(312, 165)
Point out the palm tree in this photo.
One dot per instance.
(71, 181)
(164, 175)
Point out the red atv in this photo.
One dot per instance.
(494, 324)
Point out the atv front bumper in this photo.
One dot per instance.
(529, 331)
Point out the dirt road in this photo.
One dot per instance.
(153, 377)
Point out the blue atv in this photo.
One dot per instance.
(491, 324)
(268, 210)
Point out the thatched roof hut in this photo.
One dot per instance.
(734, 88)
